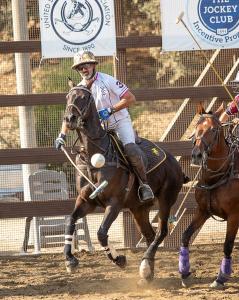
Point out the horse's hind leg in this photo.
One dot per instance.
(141, 216)
(167, 198)
(226, 268)
(82, 208)
(146, 270)
(184, 264)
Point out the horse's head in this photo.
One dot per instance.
(207, 135)
(79, 106)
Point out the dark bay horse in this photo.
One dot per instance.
(122, 192)
(217, 192)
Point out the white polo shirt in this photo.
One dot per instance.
(107, 91)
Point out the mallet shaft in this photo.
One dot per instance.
(180, 19)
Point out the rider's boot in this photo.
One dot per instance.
(134, 155)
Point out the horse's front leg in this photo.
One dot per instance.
(226, 264)
(82, 208)
(111, 213)
(184, 264)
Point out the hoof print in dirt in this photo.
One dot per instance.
(143, 283)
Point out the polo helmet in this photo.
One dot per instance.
(83, 57)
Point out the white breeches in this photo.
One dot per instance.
(124, 130)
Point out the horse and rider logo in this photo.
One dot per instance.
(77, 22)
(214, 21)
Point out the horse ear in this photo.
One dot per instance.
(200, 109)
(71, 83)
(220, 110)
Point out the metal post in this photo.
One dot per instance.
(24, 86)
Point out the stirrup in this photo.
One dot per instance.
(145, 193)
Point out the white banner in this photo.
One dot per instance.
(213, 23)
(68, 26)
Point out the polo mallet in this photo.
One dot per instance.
(180, 19)
(98, 189)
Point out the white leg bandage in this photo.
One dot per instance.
(68, 239)
(111, 250)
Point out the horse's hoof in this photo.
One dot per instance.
(145, 271)
(121, 261)
(143, 282)
(71, 265)
(186, 280)
(217, 285)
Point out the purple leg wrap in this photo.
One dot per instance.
(225, 270)
(184, 265)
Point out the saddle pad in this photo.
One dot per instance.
(154, 154)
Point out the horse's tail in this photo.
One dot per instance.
(186, 179)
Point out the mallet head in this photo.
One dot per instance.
(180, 17)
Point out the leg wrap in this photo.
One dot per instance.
(69, 231)
(111, 252)
(184, 265)
(225, 270)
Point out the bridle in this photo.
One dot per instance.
(82, 113)
(209, 146)
(82, 116)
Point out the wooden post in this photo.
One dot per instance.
(24, 86)
(131, 234)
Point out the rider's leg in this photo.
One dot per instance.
(125, 132)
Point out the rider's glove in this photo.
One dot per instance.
(60, 141)
(105, 113)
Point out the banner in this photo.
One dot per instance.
(214, 24)
(68, 26)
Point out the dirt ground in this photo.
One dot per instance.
(44, 277)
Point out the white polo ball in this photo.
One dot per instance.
(97, 160)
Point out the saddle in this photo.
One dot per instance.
(152, 152)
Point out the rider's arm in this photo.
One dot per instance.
(126, 100)
(231, 109)
(64, 129)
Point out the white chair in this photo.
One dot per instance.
(47, 185)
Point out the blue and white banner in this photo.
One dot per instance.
(68, 26)
(213, 23)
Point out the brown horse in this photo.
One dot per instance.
(165, 180)
(217, 190)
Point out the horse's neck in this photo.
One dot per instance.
(93, 138)
(218, 162)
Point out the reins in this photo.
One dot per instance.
(226, 159)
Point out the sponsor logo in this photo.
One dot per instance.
(77, 22)
(214, 21)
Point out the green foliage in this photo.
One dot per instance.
(48, 122)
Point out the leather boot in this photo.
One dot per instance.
(134, 155)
